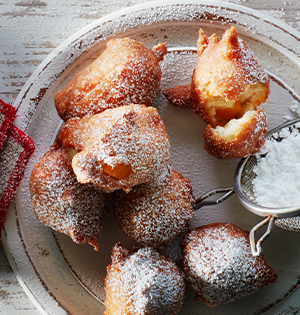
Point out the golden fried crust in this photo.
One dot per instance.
(245, 138)
(125, 73)
(60, 202)
(219, 265)
(155, 215)
(118, 148)
(142, 281)
(228, 78)
(179, 96)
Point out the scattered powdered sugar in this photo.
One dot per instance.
(145, 282)
(219, 265)
(277, 171)
(295, 107)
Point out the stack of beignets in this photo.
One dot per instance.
(125, 73)
(142, 281)
(219, 265)
(227, 83)
(155, 215)
(108, 141)
(118, 148)
(62, 203)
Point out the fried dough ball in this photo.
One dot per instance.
(155, 215)
(179, 96)
(62, 203)
(118, 148)
(228, 80)
(143, 282)
(219, 265)
(227, 86)
(125, 73)
(239, 137)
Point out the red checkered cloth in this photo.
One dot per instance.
(16, 149)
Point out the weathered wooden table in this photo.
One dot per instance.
(29, 31)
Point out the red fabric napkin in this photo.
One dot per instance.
(16, 149)
(7, 116)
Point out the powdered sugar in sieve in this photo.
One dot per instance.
(277, 174)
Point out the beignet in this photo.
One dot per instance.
(155, 215)
(219, 265)
(62, 203)
(125, 73)
(239, 137)
(228, 80)
(142, 282)
(179, 96)
(118, 148)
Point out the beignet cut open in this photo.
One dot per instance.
(227, 87)
(239, 137)
(155, 215)
(142, 282)
(125, 73)
(228, 80)
(62, 203)
(118, 148)
(219, 265)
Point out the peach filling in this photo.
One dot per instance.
(118, 171)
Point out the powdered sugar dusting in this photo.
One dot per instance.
(155, 215)
(219, 265)
(62, 203)
(145, 282)
(133, 136)
(277, 172)
(125, 73)
(254, 72)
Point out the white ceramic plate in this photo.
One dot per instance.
(64, 278)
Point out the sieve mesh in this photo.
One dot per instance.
(246, 178)
(290, 224)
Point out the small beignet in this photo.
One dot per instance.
(125, 73)
(239, 137)
(179, 96)
(228, 80)
(219, 265)
(118, 148)
(155, 215)
(142, 282)
(62, 203)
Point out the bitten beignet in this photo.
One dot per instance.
(155, 215)
(142, 282)
(118, 148)
(239, 137)
(228, 80)
(227, 86)
(62, 203)
(125, 73)
(219, 265)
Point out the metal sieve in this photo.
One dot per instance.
(284, 217)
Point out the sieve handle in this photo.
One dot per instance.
(256, 247)
(201, 201)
